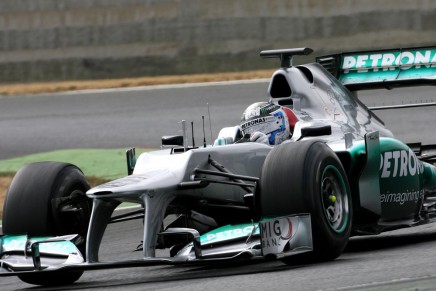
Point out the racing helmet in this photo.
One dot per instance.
(271, 119)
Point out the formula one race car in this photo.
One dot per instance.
(341, 174)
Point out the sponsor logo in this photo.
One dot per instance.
(401, 198)
(253, 122)
(18, 243)
(390, 61)
(287, 231)
(283, 234)
(229, 234)
(276, 232)
(271, 107)
(400, 163)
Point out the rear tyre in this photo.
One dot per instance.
(307, 177)
(48, 198)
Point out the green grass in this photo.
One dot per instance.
(99, 165)
(102, 163)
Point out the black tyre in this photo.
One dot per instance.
(52, 278)
(48, 198)
(307, 177)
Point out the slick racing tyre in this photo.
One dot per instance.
(56, 278)
(307, 177)
(48, 199)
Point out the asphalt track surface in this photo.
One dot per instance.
(141, 116)
(398, 260)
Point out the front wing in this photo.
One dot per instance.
(276, 238)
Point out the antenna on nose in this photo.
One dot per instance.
(204, 134)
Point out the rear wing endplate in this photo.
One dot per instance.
(383, 69)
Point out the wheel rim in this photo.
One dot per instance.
(334, 199)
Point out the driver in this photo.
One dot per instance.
(267, 123)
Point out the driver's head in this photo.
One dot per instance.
(273, 120)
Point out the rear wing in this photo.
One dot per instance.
(383, 69)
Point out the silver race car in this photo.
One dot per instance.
(342, 173)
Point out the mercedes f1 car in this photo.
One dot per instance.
(341, 174)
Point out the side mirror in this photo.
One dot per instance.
(131, 160)
(316, 131)
(172, 140)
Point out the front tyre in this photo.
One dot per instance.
(307, 177)
(48, 199)
(57, 278)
